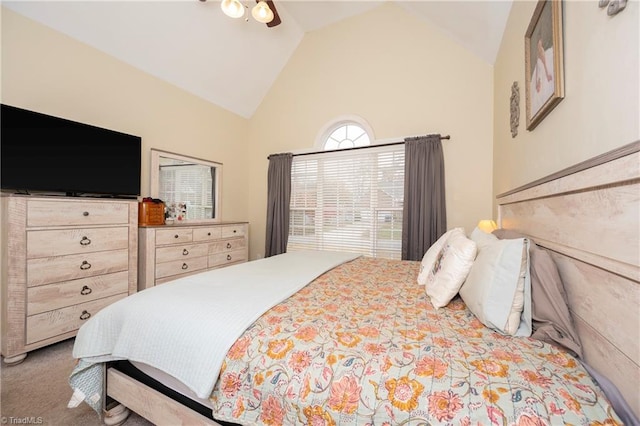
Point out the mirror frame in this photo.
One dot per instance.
(155, 180)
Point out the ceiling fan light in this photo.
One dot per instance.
(232, 8)
(262, 12)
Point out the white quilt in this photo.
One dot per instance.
(186, 327)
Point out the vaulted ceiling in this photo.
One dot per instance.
(233, 62)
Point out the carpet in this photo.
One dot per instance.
(37, 391)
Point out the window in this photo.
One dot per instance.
(348, 200)
(347, 131)
(347, 136)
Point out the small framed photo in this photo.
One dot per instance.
(544, 61)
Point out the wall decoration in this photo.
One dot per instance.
(544, 61)
(515, 109)
(613, 6)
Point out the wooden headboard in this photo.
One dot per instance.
(588, 217)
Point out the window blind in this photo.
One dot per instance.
(348, 201)
(188, 184)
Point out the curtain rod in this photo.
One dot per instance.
(447, 137)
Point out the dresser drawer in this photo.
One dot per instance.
(225, 258)
(174, 251)
(60, 295)
(227, 245)
(53, 323)
(175, 277)
(46, 270)
(176, 267)
(165, 254)
(72, 241)
(69, 213)
(173, 236)
(233, 231)
(207, 233)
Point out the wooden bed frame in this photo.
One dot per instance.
(588, 217)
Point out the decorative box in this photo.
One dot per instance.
(150, 213)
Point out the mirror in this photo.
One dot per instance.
(189, 186)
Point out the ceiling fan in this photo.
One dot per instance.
(264, 11)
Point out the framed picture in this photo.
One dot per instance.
(544, 61)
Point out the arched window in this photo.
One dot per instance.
(345, 132)
(347, 136)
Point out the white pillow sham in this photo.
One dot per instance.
(482, 239)
(517, 307)
(450, 269)
(498, 287)
(429, 257)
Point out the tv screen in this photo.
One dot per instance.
(42, 153)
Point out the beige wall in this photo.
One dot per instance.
(600, 110)
(46, 71)
(401, 75)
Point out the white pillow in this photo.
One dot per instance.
(450, 269)
(498, 288)
(515, 315)
(481, 238)
(429, 257)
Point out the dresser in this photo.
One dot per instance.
(167, 252)
(63, 259)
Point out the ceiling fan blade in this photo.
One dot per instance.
(276, 18)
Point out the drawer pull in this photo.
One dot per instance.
(228, 245)
(85, 290)
(208, 234)
(85, 213)
(85, 315)
(175, 236)
(185, 266)
(234, 231)
(85, 241)
(185, 252)
(85, 265)
(228, 257)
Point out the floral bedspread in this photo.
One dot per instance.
(362, 345)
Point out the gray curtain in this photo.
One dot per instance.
(424, 217)
(278, 197)
(213, 192)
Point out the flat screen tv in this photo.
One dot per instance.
(42, 153)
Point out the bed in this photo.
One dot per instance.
(363, 344)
